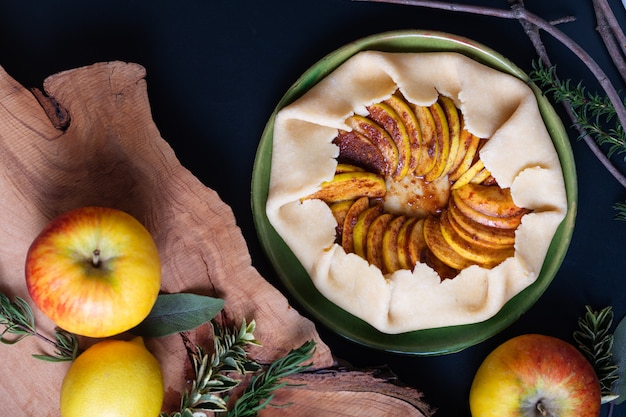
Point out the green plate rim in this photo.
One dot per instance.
(296, 281)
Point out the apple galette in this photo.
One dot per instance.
(418, 190)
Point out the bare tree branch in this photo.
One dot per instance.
(532, 24)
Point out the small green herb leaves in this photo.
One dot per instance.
(179, 312)
(17, 318)
(217, 374)
(263, 385)
(596, 341)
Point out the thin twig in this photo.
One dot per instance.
(533, 34)
(532, 23)
(611, 35)
(520, 13)
(613, 23)
(532, 31)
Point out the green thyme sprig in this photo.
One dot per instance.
(594, 114)
(18, 320)
(595, 340)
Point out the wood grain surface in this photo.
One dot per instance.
(88, 138)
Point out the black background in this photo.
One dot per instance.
(216, 69)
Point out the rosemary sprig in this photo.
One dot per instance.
(215, 375)
(211, 371)
(18, 320)
(262, 387)
(594, 114)
(595, 341)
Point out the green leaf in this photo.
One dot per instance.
(179, 312)
(619, 356)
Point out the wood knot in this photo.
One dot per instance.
(58, 115)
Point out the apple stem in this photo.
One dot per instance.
(542, 409)
(95, 259)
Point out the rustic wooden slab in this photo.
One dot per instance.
(89, 139)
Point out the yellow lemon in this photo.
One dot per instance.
(113, 378)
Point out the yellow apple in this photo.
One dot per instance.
(535, 376)
(94, 271)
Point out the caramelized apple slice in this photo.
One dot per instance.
(416, 246)
(347, 232)
(429, 148)
(467, 176)
(454, 128)
(490, 200)
(385, 116)
(480, 255)
(343, 167)
(443, 142)
(351, 185)
(440, 248)
(340, 211)
(403, 109)
(359, 232)
(356, 149)
(379, 137)
(404, 258)
(468, 147)
(489, 237)
(374, 239)
(390, 258)
(500, 222)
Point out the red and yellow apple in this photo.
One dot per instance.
(535, 376)
(94, 271)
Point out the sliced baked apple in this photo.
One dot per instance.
(454, 127)
(374, 239)
(351, 185)
(417, 248)
(478, 254)
(429, 148)
(340, 211)
(356, 149)
(379, 137)
(386, 116)
(439, 246)
(406, 114)
(390, 258)
(442, 136)
(490, 200)
(343, 167)
(511, 222)
(347, 232)
(468, 146)
(490, 237)
(404, 258)
(359, 232)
